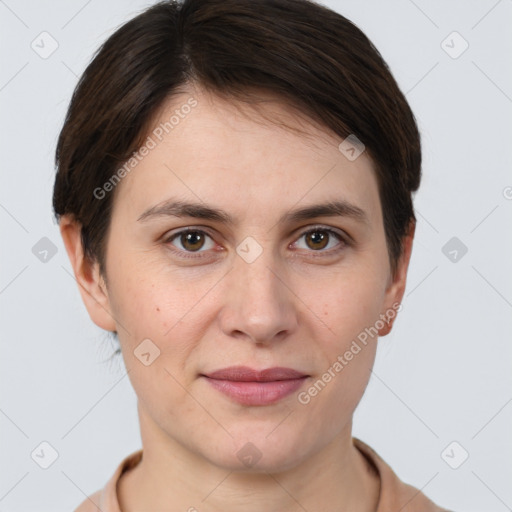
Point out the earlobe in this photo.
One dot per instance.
(87, 275)
(396, 289)
(388, 325)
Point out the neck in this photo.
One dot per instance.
(337, 477)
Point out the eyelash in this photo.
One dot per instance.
(191, 255)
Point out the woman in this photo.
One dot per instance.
(234, 191)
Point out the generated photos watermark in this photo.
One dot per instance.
(304, 397)
(150, 143)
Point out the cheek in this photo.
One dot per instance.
(151, 307)
(347, 301)
(138, 306)
(146, 299)
(354, 304)
(349, 354)
(151, 302)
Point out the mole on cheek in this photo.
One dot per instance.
(158, 309)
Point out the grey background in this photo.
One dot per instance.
(442, 375)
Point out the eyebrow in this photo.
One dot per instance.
(177, 208)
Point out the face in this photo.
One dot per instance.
(190, 295)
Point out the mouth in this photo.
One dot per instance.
(248, 386)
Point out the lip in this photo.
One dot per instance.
(256, 387)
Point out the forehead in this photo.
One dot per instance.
(206, 148)
(221, 128)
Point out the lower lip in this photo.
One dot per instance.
(257, 393)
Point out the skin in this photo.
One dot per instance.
(286, 308)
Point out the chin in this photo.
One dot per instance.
(258, 450)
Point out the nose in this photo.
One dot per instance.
(258, 301)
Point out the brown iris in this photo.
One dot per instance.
(319, 238)
(192, 240)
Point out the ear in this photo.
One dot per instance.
(91, 284)
(396, 287)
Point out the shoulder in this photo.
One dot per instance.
(91, 503)
(394, 493)
(105, 500)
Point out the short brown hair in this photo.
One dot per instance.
(301, 52)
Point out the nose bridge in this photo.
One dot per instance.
(258, 278)
(258, 303)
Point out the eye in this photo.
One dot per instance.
(191, 241)
(318, 238)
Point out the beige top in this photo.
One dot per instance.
(395, 495)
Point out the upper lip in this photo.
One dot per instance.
(247, 374)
